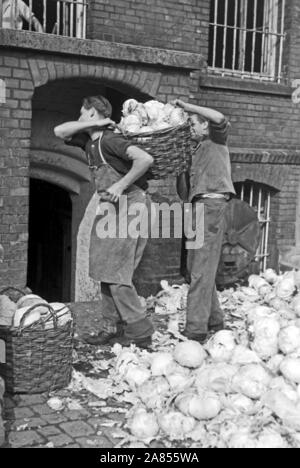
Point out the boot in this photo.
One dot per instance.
(138, 333)
(216, 328)
(104, 336)
(200, 337)
(124, 341)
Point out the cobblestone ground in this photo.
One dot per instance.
(30, 422)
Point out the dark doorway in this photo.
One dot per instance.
(49, 254)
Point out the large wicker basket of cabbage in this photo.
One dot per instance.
(163, 130)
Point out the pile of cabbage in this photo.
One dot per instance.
(240, 390)
(150, 116)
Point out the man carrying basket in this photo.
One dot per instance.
(119, 170)
(209, 183)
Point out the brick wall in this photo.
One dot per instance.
(170, 24)
(2, 433)
(259, 120)
(15, 126)
(24, 73)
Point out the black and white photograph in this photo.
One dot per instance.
(149, 227)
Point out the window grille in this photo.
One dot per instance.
(60, 17)
(246, 38)
(258, 196)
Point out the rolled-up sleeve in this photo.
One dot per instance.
(219, 132)
(79, 140)
(117, 145)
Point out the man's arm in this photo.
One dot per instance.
(142, 161)
(208, 114)
(69, 129)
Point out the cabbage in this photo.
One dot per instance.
(252, 381)
(178, 117)
(285, 287)
(290, 368)
(129, 106)
(221, 346)
(258, 312)
(205, 406)
(271, 276)
(154, 110)
(143, 425)
(161, 363)
(283, 408)
(56, 404)
(256, 282)
(296, 305)
(289, 339)
(247, 294)
(136, 375)
(270, 439)
(189, 354)
(175, 425)
(280, 384)
(240, 403)
(242, 356)
(131, 123)
(154, 392)
(266, 332)
(242, 439)
(216, 377)
(275, 362)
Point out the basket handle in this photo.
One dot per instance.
(35, 306)
(8, 288)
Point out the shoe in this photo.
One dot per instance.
(200, 337)
(103, 338)
(125, 341)
(216, 328)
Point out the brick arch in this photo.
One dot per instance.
(266, 174)
(125, 76)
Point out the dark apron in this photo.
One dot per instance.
(113, 260)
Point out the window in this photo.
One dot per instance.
(246, 38)
(60, 17)
(258, 196)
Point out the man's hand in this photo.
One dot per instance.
(180, 103)
(115, 191)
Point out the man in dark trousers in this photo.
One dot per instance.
(209, 183)
(119, 169)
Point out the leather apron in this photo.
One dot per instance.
(112, 259)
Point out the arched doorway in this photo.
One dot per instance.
(49, 250)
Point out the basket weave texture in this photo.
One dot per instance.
(38, 360)
(171, 150)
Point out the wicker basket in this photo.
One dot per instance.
(171, 150)
(38, 360)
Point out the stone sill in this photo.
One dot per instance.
(245, 85)
(47, 43)
(264, 156)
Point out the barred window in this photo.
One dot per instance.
(258, 196)
(246, 38)
(60, 17)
